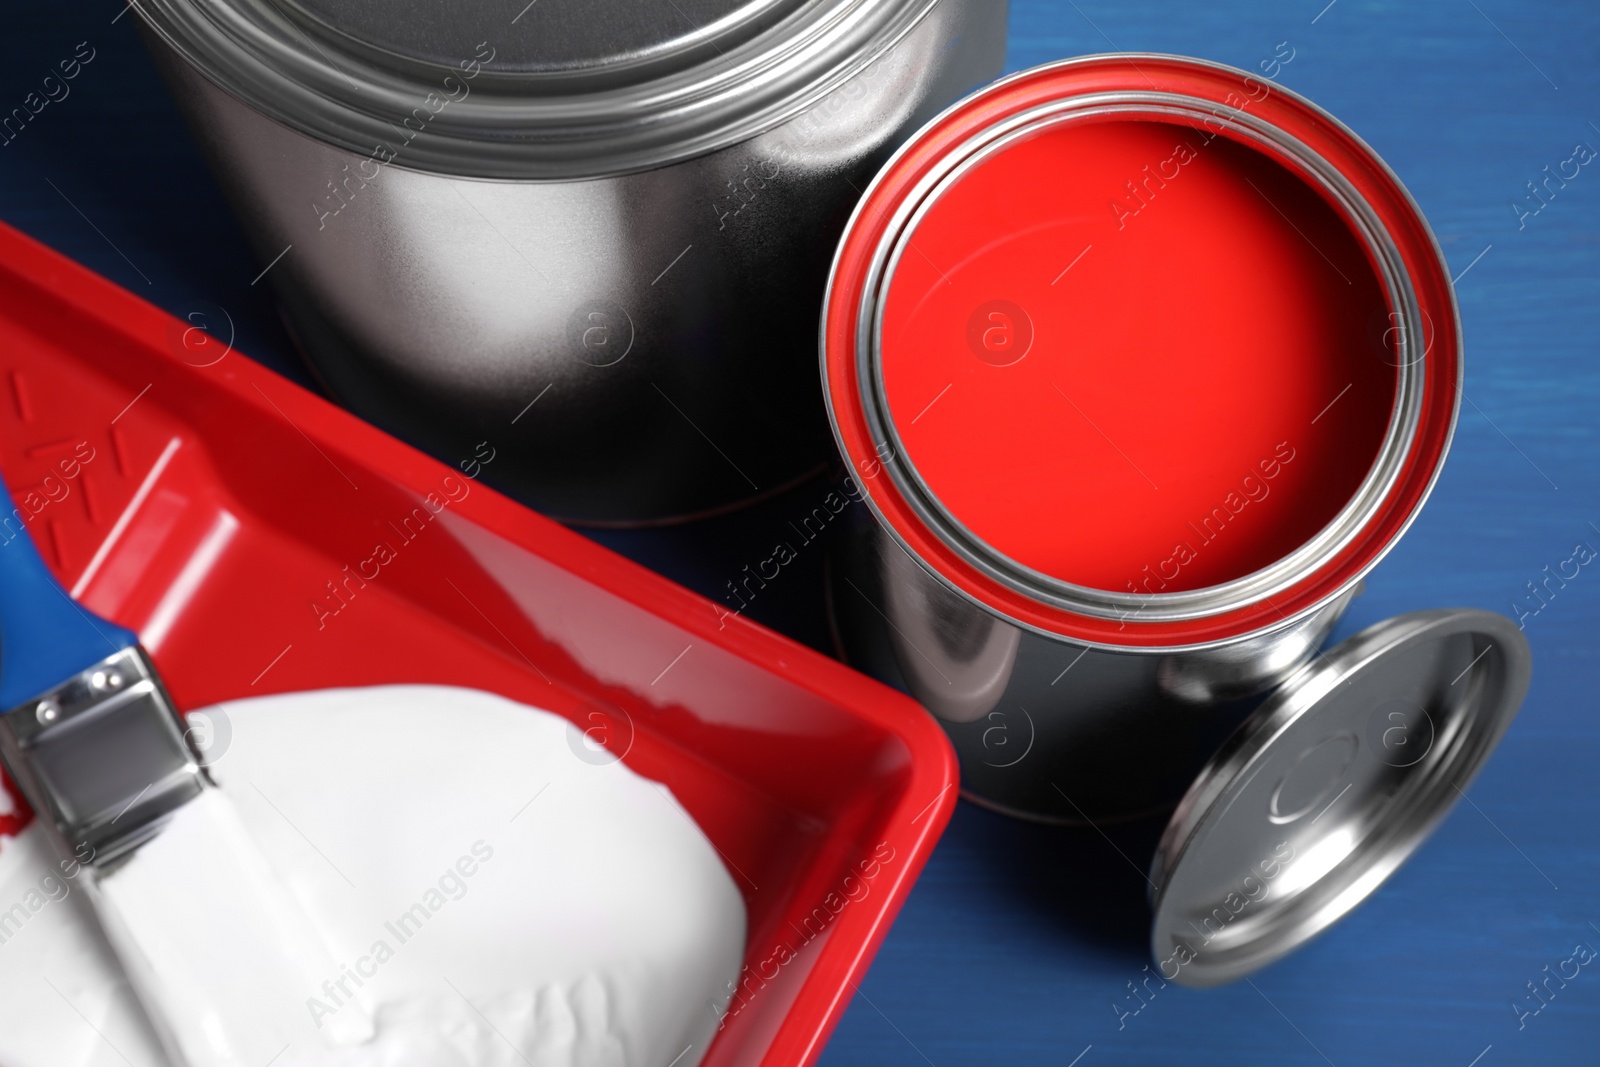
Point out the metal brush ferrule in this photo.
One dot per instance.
(102, 757)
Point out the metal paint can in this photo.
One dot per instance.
(595, 235)
(1142, 364)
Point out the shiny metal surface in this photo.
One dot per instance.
(103, 756)
(595, 98)
(1329, 787)
(1046, 728)
(542, 38)
(638, 347)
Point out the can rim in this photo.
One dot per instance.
(538, 126)
(1188, 604)
(1383, 217)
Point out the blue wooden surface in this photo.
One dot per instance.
(1018, 942)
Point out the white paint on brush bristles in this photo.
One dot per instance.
(490, 898)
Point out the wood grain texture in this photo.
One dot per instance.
(1019, 940)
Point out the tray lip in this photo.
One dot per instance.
(821, 999)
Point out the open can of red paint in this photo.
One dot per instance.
(1143, 363)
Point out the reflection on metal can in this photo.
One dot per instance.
(453, 192)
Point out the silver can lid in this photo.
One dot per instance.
(1329, 787)
(543, 36)
(536, 91)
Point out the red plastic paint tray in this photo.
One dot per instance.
(220, 512)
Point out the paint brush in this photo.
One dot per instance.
(218, 951)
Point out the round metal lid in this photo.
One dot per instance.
(1328, 787)
(545, 35)
(548, 90)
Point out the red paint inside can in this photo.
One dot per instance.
(1137, 355)
(1041, 390)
